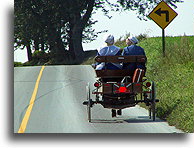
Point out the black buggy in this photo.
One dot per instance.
(119, 89)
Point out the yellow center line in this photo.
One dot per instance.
(30, 106)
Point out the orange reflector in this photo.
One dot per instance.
(138, 84)
(107, 84)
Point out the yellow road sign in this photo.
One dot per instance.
(162, 14)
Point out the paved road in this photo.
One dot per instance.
(58, 106)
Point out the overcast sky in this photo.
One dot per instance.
(125, 22)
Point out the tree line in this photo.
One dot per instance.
(61, 26)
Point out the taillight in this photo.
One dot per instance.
(96, 84)
(148, 84)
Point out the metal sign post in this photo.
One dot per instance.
(163, 43)
(162, 15)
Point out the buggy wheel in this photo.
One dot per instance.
(153, 101)
(89, 102)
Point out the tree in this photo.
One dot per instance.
(28, 30)
(63, 25)
(51, 23)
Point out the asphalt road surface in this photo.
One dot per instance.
(58, 105)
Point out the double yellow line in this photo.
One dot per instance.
(30, 106)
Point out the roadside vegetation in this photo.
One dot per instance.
(173, 75)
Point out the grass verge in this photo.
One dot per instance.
(173, 75)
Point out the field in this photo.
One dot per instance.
(173, 75)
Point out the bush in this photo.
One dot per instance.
(39, 54)
(142, 37)
(18, 64)
(39, 58)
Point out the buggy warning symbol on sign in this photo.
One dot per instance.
(162, 14)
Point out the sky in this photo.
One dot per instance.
(125, 22)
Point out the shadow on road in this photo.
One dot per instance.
(142, 119)
(106, 121)
(138, 119)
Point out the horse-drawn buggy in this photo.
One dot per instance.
(119, 89)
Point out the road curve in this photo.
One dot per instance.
(58, 106)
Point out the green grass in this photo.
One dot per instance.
(173, 75)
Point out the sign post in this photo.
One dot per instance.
(162, 15)
(163, 42)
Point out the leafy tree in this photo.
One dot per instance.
(62, 25)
